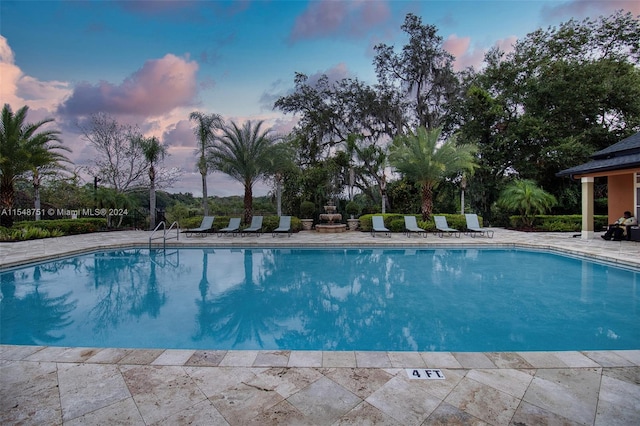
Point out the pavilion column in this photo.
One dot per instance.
(587, 208)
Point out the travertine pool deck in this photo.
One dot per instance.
(85, 386)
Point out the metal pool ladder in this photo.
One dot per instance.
(165, 232)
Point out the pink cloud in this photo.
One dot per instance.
(320, 19)
(158, 87)
(326, 18)
(465, 56)
(468, 56)
(455, 45)
(507, 45)
(374, 12)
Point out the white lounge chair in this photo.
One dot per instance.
(377, 225)
(284, 226)
(255, 227)
(443, 227)
(232, 228)
(474, 228)
(206, 226)
(411, 226)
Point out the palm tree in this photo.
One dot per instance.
(246, 154)
(23, 148)
(206, 126)
(153, 152)
(421, 158)
(527, 198)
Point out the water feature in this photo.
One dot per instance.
(331, 220)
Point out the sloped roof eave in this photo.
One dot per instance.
(600, 166)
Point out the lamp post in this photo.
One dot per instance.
(463, 186)
(96, 179)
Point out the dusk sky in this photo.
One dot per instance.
(151, 63)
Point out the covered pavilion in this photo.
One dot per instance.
(620, 164)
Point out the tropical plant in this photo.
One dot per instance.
(245, 153)
(424, 159)
(207, 124)
(154, 152)
(527, 198)
(112, 201)
(23, 148)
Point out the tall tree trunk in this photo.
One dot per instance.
(205, 200)
(152, 198)
(279, 194)
(248, 202)
(463, 186)
(427, 200)
(36, 193)
(383, 193)
(351, 182)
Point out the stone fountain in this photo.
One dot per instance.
(330, 220)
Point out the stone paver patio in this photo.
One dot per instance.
(84, 386)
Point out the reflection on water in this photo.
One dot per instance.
(339, 299)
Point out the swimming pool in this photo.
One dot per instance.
(335, 299)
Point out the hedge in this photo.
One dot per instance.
(546, 223)
(395, 222)
(269, 223)
(559, 223)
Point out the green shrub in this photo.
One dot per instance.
(307, 209)
(396, 225)
(66, 226)
(28, 233)
(269, 223)
(190, 222)
(178, 212)
(455, 221)
(366, 220)
(352, 209)
(196, 221)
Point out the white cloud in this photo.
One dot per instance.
(18, 90)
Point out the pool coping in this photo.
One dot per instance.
(91, 246)
(450, 242)
(470, 366)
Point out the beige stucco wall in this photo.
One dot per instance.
(621, 190)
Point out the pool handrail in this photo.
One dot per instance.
(161, 223)
(165, 232)
(177, 228)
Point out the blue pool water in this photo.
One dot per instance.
(335, 299)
